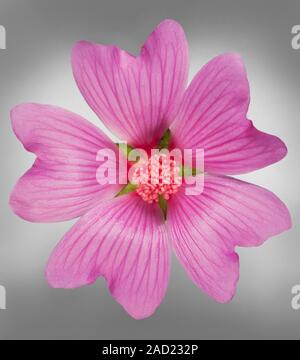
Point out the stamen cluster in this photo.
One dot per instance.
(158, 176)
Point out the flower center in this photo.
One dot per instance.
(158, 176)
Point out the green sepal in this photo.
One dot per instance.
(188, 171)
(125, 148)
(128, 188)
(164, 142)
(162, 202)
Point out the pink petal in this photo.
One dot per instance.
(62, 182)
(124, 240)
(213, 117)
(206, 228)
(136, 97)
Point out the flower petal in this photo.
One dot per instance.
(213, 117)
(135, 97)
(206, 228)
(124, 240)
(62, 182)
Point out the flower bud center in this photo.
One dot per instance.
(158, 176)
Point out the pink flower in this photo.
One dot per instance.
(124, 238)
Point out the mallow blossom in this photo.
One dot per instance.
(124, 236)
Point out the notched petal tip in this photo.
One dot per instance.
(232, 57)
(136, 314)
(134, 262)
(78, 45)
(20, 204)
(15, 205)
(135, 96)
(230, 287)
(170, 24)
(57, 187)
(18, 118)
(56, 281)
(269, 144)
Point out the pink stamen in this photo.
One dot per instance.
(160, 175)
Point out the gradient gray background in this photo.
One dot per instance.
(35, 67)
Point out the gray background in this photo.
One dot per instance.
(35, 67)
